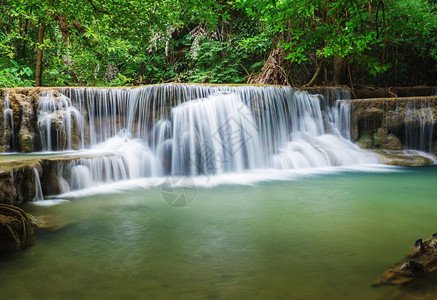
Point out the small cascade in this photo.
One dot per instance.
(83, 173)
(419, 126)
(321, 137)
(336, 112)
(38, 190)
(8, 125)
(60, 124)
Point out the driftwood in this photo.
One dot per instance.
(419, 262)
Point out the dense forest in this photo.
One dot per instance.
(300, 42)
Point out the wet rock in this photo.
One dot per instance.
(51, 223)
(26, 134)
(17, 186)
(418, 247)
(25, 140)
(392, 143)
(8, 193)
(16, 229)
(404, 158)
(420, 262)
(380, 137)
(415, 268)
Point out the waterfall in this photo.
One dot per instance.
(214, 135)
(419, 126)
(8, 124)
(56, 119)
(38, 190)
(194, 130)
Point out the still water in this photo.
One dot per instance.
(327, 236)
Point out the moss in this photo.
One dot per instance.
(380, 137)
(366, 141)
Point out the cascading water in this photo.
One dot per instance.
(8, 124)
(194, 130)
(38, 189)
(419, 126)
(56, 116)
(215, 135)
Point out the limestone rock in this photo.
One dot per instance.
(25, 140)
(403, 158)
(17, 186)
(392, 143)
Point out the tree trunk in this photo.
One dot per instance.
(316, 74)
(340, 71)
(39, 54)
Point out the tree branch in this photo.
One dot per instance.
(96, 9)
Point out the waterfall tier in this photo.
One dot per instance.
(191, 130)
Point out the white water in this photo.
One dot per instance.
(153, 132)
(250, 178)
(56, 119)
(38, 190)
(419, 126)
(237, 134)
(8, 123)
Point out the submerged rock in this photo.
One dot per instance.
(405, 158)
(421, 261)
(16, 229)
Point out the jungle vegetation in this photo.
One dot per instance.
(292, 42)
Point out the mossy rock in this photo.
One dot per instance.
(393, 143)
(380, 137)
(25, 140)
(365, 141)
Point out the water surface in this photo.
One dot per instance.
(322, 237)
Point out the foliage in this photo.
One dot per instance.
(15, 75)
(130, 42)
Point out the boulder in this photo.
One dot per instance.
(392, 143)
